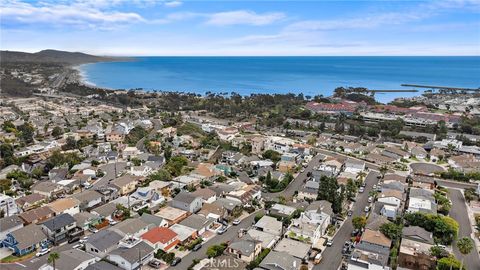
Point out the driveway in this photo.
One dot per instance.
(332, 256)
(459, 213)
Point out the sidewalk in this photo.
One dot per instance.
(471, 218)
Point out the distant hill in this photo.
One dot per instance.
(53, 56)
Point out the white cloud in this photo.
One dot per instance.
(244, 17)
(89, 14)
(173, 4)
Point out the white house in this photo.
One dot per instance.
(389, 211)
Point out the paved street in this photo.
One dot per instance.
(332, 256)
(230, 235)
(459, 213)
(297, 183)
(34, 263)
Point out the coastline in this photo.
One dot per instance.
(81, 76)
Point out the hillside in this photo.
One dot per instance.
(52, 56)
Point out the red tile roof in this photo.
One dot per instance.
(159, 234)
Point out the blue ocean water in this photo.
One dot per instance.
(307, 75)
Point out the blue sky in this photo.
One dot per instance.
(171, 27)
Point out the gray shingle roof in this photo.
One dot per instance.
(131, 254)
(104, 239)
(58, 222)
(7, 223)
(28, 236)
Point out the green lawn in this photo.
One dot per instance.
(13, 258)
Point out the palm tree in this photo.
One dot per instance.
(465, 246)
(52, 258)
(383, 170)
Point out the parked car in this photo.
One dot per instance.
(374, 187)
(370, 199)
(355, 232)
(329, 243)
(78, 246)
(93, 230)
(222, 230)
(236, 222)
(197, 247)
(349, 213)
(367, 209)
(73, 240)
(155, 263)
(176, 261)
(364, 184)
(42, 252)
(361, 190)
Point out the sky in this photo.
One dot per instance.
(211, 28)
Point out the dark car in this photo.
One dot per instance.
(355, 232)
(73, 240)
(176, 261)
(155, 264)
(197, 247)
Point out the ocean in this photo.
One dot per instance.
(308, 75)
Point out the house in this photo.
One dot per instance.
(86, 220)
(105, 210)
(161, 187)
(59, 228)
(386, 210)
(72, 259)
(395, 153)
(269, 225)
(102, 243)
(36, 215)
(148, 195)
(56, 174)
(172, 215)
(141, 170)
(88, 199)
(8, 225)
(309, 191)
(125, 184)
(65, 206)
(294, 248)
(187, 201)
(207, 195)
(197, 222)
(184, 233)
(421, 205)
(266, 239)
(7, 205)
(102, 265)
(437, 154)
(227, 204)
(132, 258)
(245, 194)
(132, 226)
(364, 259)
(25, 240)
(415, 255)
(280, 210)
(354, 166)
(374, 241)
(286, 166)
(130, 152)
(161, 238)
(245, 249)
(108, 193)
(277, 260)
(417, 234)
(418, 152)
(212, 211)
(391, 197)
(154, 221)
(30, 201)
(47, 189)
(310, 226)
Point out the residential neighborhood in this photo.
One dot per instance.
(86, 186)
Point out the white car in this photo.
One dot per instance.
(236, 222)
(370, 199)
(361, 190)
(329, 243)
(78, 246)
(374, 187)
(42, 252)
(367, 209)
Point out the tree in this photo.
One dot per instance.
(272, 155)
(37, 172)
(70, 144)
(52, 258)
(7, 153)
(448, 263)
(383, 170)
(167, 153)
(351, 189)
(216, 250)
(57, 131)
(438, 252)
(391, 230)
(359, 222)
(26, 133)
(465, 246)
